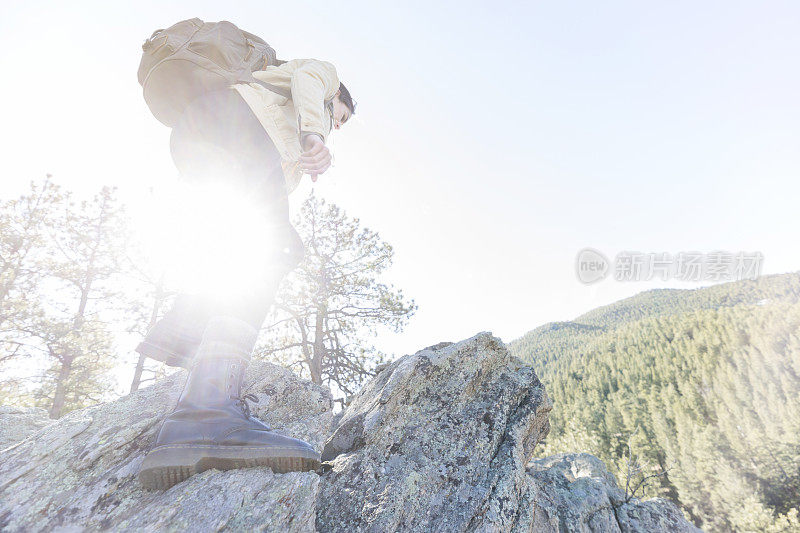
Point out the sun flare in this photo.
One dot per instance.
(211, 239)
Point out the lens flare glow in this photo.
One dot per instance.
(211, 239)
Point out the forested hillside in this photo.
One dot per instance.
(704, 384)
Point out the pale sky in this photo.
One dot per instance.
(492, 141)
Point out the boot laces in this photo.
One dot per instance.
(242, 401)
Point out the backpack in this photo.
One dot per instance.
(193, 57)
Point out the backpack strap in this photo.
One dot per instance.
(283, 92)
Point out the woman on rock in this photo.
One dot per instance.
(263, 141)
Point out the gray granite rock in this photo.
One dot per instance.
(440, 440)
(79, 473)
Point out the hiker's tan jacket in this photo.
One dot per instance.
(308, 88)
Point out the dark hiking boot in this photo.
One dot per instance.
(211, 426)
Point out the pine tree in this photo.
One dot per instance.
(25, 226)
(712, 382)
(87, 248)
(334, 301)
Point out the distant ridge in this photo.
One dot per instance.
(705, 382)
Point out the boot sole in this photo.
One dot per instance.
(166, 466)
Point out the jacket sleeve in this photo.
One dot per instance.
(313, 82)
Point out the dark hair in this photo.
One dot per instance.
(344, 96)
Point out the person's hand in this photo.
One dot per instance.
(316, 158)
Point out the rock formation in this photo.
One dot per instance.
(441, 440)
